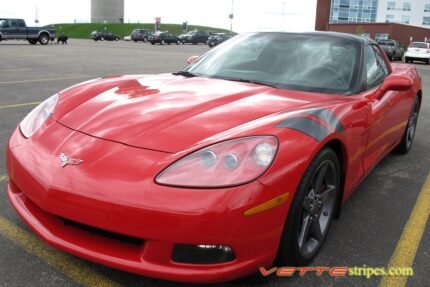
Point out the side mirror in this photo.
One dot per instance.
(393, 83)
(192, 59)
(396, 83)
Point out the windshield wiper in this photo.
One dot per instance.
(251, 82)
(184, 73)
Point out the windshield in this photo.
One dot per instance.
(419, 45)
(306, 62)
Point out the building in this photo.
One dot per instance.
(402, 20)
(107, 11)
(413, 12)
(347, 11)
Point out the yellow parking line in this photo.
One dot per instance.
(44, 80)
(407, 247)
(3, 178)
(19, 105)
(66, 264)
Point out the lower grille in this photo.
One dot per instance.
(101, 232)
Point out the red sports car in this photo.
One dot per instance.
(204, 175)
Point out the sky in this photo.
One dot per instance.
(249, 15)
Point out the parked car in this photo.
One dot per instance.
(195, 37)
(164, 38)
(392, 49)
(104, 36)
(418, 51)
(211, 172)
(16, 29)
(218, 38)
(140, 35)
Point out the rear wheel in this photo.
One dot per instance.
(408, 137)
(32, 41)
(44, 39)
(311, 211)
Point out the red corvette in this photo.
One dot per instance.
(204, 175)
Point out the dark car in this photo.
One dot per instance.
(218, 38)
(104, 35)
(164, 38)
(16, 29)
(392, 49)
(195, 37)
(140, 35)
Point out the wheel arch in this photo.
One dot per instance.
(420, 98)
(340, 149)
(43, 32)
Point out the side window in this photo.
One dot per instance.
(380, 59)
(375, 71)
(13, 24)
(21, 24)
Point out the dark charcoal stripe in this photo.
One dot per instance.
(328, 117)
(307, 126)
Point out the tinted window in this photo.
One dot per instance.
(419, 45)
(376, 70)
(318, 63)
(21, 24)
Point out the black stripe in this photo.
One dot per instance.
(307, 126)
(328, 117)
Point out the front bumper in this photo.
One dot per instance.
(118, 200)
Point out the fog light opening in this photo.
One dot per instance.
(202, 254)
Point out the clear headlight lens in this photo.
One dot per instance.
(228, 163)
(34, 120)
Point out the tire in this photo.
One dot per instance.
(311, 211)
(44, 39)
(407, 141)
(152, 43)
(32, 42)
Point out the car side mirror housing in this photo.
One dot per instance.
(396, 83)
(192, 59)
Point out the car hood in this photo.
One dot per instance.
(170, 113)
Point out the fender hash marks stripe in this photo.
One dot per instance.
(307, 126)
(312, 127)
(328, 117)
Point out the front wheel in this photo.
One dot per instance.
(311, 211)
(408, 137)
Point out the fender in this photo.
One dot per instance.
(44, 31)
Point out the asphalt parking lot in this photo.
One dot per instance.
(369, 230)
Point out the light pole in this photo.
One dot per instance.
(283, 15)
(231, 16)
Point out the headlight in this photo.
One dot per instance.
(228, 163)
(32, 122)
